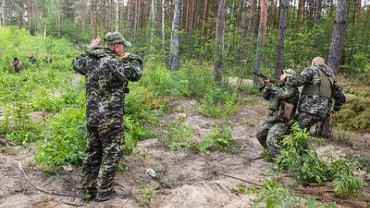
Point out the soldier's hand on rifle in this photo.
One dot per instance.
(95, 42)
(125, 56)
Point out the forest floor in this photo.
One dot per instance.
(183, 178)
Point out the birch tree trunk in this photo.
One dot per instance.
(117, 15)
(2, 13)
(163, 23)
(174, 50)
(280, 46)
(337, 36)
(153, 23)
(59, 19)
(220, 21)
(261, 35)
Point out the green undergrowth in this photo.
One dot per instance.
(193, 80)
(178, 136)
(355, 114)
(308, 168)
(272, 194)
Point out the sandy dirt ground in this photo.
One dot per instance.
(182, 178)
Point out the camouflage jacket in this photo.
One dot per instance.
(277, 94)
(107, 77)
(316, 104)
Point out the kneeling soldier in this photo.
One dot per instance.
(283, 101)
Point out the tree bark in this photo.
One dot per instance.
(117, 15)
(220, 21)
(261, 35)
(337, 36)
(163, 23)
(318, 8)
(300, 13)
(93, 19)
(357, 17)
(59, 19)
(131, 14)
(252, 20)
(174, 50)
(244, 30)
(2, 13)
(205, 6)
(153, 23)
(280, 46)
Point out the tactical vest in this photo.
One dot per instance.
(322, 87)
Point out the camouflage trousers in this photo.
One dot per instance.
(315, 125)
(102, 156)
(307, 120)
(270, 133)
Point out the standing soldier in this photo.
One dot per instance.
(32, 58)
(48, 59)
(283, 102)
(320, 90)
(107, 71)
(17, 65)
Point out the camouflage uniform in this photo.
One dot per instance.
(17, 65)
(276, 125)
(319, 91)
(107, 77)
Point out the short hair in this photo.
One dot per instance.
(318, 61)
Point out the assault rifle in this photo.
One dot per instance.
(264, 77)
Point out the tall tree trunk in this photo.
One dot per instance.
(106, 15)
(131, 17)
(300, 13)
(220, 22)
(29, 14)
(357, 18)
(136, 23)
(261, 35)
(163, 23)
(205, 6)
(244, 30)
(152, 24)
(318, 8)
(2, 13)
(187, 16)
(117, 15)
(93, 19)
(252, 20)
(337, 36)
(280, 46)
(59, 19)
(36, 13)
(174, 50)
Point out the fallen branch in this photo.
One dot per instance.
(124, 204)
(130, 192)
(72, 204)
(333, 199)
(240, 179)
(38, 188)
(6, 142)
